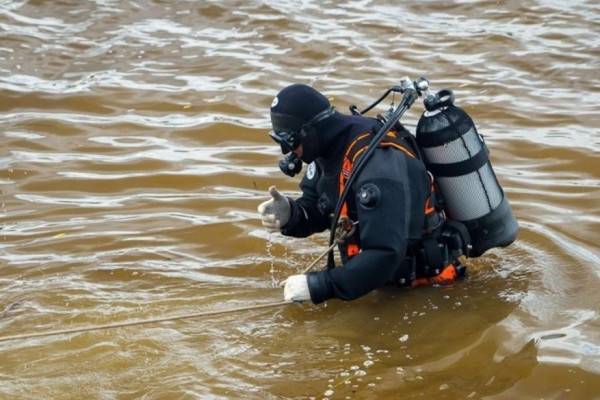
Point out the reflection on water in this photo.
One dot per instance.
(135, 154)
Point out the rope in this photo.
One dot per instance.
(144, 321)
(307, 269)
(342, 236)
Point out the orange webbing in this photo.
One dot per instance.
(429, 208)
(358, 153)
(347, 166)
(344, 174)
(349, 158)
(446, 277)
(399, 147)
(352, 249)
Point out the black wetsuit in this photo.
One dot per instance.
(387, 227)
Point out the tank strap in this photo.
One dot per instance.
(456, 236)
(434, 210)
(462, 167)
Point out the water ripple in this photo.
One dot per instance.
(135, 155)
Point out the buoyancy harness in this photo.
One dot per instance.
(357, 147)
(433, 258)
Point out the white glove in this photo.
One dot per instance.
(275, 212)
(296, 288)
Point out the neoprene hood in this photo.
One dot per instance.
(297, 108)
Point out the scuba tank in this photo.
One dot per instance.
(456, 154)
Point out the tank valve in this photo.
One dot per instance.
(422, 86)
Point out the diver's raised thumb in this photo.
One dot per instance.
(274, 193)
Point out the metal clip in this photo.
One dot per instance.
(345, 229)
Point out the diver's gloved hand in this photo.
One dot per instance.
(275, 212)
(296, 288)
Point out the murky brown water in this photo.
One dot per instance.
(134, 155)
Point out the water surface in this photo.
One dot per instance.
(135, 153)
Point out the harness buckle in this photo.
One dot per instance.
(345, 228)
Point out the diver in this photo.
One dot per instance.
(389, 202)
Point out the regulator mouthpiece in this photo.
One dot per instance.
(290, 165)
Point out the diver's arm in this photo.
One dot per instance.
(306, 218)
(383, 237)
